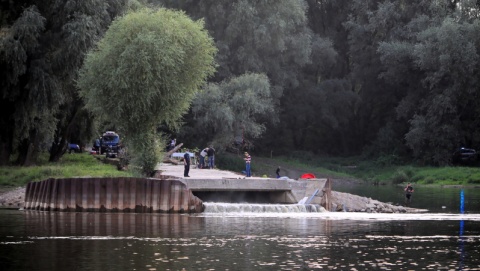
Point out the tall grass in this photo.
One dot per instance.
(71, 165)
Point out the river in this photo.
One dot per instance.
(445, 238)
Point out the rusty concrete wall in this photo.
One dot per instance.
(326, 200)
(139, 195)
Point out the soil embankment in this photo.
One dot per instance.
(12, 198)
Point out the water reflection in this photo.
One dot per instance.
(108, 241)
(106, 224)
(462, 224)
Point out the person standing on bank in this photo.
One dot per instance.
(186, 161)
(248, 160)
(278, 172)
(203, 154)
(211, 157)
(408, 193)
(173, 143)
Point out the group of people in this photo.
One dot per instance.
(207, 155)
(207, 158)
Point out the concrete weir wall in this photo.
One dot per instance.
(140, 195)
(262, 190)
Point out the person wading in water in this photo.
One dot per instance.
(408, 193)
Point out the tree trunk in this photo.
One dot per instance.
(166, 157)
(57, 150)
(5, 153)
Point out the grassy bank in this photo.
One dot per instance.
(71, 165)
(84, 164)
(355, 168)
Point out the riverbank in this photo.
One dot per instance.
(12, 198)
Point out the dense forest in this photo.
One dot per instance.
(338, 78)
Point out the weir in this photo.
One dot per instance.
(212, 185)
(261, 190)
(172, 194)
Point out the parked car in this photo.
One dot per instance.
(464, 156)
(74, 148)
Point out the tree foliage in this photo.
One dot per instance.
(42, 45)
(377, 77)
(146, 71)
(228, 113)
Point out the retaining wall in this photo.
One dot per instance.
(140, 195)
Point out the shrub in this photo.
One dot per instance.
(400, 177)
(429, 180)
(230, 162)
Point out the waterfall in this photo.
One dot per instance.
(218, 207)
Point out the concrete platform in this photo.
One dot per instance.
(226, 186)
(196, 173)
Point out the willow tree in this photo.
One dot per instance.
(42, 46)
(146, 71)
(230, 112)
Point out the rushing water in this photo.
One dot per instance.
(448, 239)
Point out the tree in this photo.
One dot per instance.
(229, 113)
(269, 36)
(444, 120)
(266, 37)
(146, 71)
(42, 45)
(436, 63)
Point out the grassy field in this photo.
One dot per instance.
(71, 165)
(84, 164)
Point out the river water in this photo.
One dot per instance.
(445, 238)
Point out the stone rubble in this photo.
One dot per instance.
(345, 202)
(13, 198)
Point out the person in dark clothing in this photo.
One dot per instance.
(96, 146)
(211, 157)
(186, 161)
(278, 172)
(408, 193)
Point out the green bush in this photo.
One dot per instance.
(230, 162)
(400, 177)
(429, 180)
